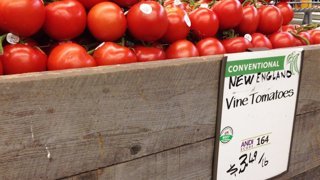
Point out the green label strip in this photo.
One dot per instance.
(251, 66)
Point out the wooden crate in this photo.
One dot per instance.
(138, 121)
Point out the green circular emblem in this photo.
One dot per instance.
(226, 134)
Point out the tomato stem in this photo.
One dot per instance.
(91, 51)
(305, 40)
(1, 43)
(211, 3)
(229, 34)
(123, 41)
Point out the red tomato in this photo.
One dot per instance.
(282, 39)
(250, 21)
(68, 56)
(90, 3)
(270, 19)
(22, 17)
(210, 46)
(260, 41)
(107, 22)
(111, 53)
(126, 3)
(65, 19)
(1, 67)
(149, 53)
(21, 58)
(305, 38)
(181, 49)
(237, 44)
(147, 21)
(229, 13)
(286, 11)
(315, 36)
(204, 22)
(177, 28)
(290, 27)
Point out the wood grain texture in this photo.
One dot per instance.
(305, 152)
(189, 162)
(57, 124)
(313, 174)
(304, 160)
(309, 97)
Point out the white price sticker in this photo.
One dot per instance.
(187, 19)
(248, 37)
(177, 2)
(204, 5)
(12, 39)
(146, 8)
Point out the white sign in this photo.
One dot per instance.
(257, 114)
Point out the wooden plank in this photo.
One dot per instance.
(188, 162)
(313, 174)
(57, 124)
(309, 97)
(305, 152)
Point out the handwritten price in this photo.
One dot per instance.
(245, 161)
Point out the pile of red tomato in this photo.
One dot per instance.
(53, 35)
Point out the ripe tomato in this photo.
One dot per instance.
(282, 39)
(126, 3)
(107, 22)
(237, 44)
(21, 58)
(181, 49)
(88, 4)
(204, 22)
(65, 19)
(147, 21)
(315, 36)
(229, 13)
(286, 11)
(149, 53)
(270, 19)
(260, 41)
(250, 20)
(210, 46)
(68, 56)
(111, 53)
(306, 38)
(21, 17)
(290, 27)
(177, 28)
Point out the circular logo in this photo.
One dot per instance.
(226, 134)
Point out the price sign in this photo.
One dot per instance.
(256, 114)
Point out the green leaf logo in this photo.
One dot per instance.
(292, 60)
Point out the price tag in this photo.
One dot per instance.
(12, 39)
(146, 8)
(257, 108)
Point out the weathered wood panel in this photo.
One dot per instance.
(57, 124)
(309, 97)
(189, 162)
(313, 174)
(305, 158)
(305, 152)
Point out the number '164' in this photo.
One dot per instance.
(263, 140)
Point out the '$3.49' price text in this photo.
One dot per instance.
(246, 160)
